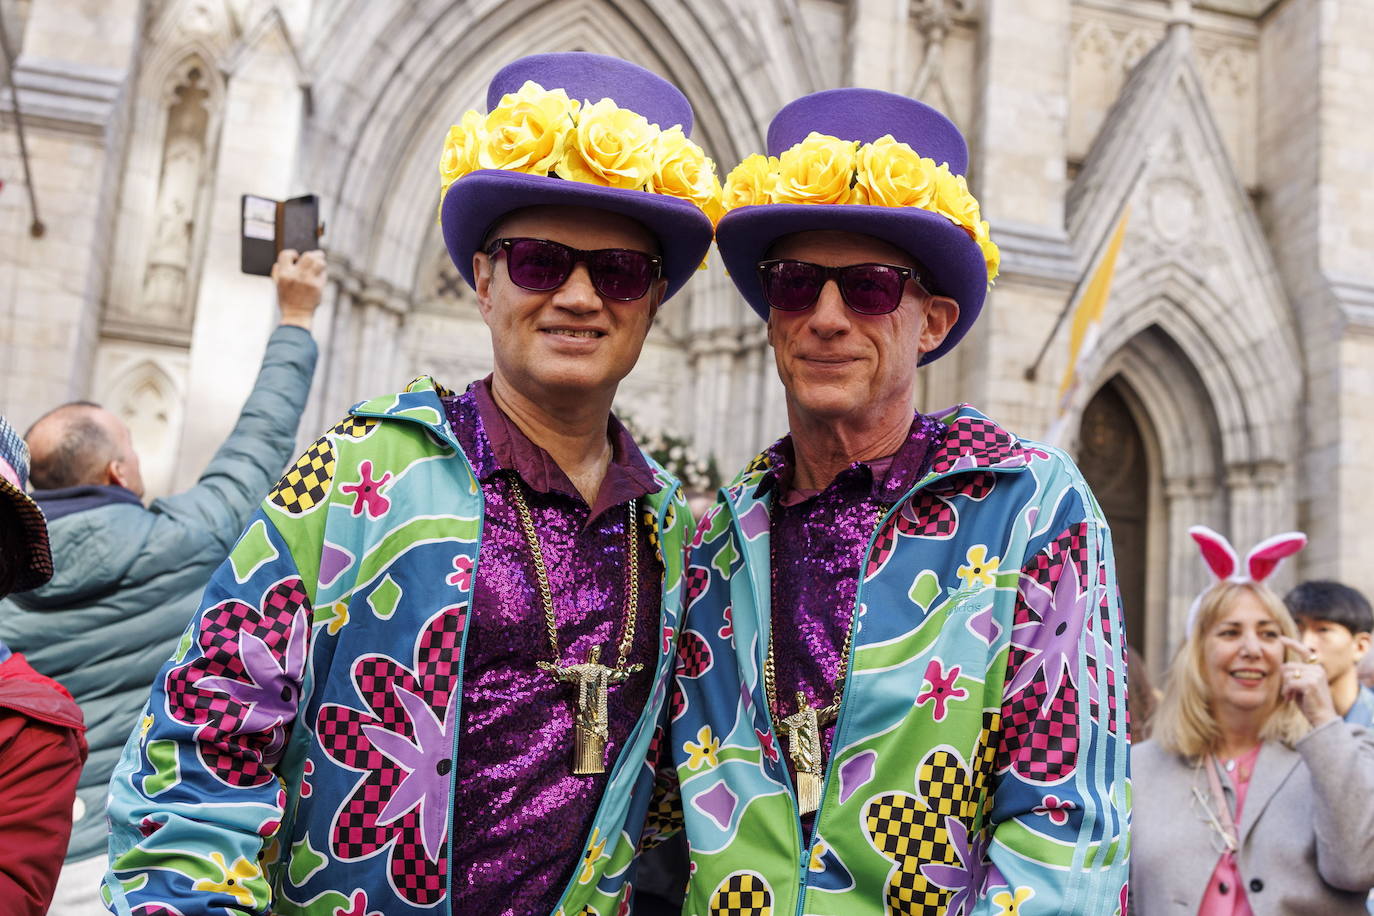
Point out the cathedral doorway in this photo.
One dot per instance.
(1115, 461)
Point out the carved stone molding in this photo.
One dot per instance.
(63, 95)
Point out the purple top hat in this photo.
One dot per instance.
(952, 260)
(33, 553)
(476, 201)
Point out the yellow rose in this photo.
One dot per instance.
(751, 182)
(460, 148)
(818, 170)
(682, 170)
(612, 147)
(892, 174)
(992, 256)
(715, 208)
(526, 131)
(953, 200)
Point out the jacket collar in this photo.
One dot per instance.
(1272, 767)
(418, 403)
(421, 402)
(972, 444)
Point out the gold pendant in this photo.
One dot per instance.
(804, 747)
(589, 750)
(591, 721)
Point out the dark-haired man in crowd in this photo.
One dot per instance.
(129, 578)
(1338, 625)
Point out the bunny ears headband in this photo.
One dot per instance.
(1225, 564)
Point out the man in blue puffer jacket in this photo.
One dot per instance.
(127, 578)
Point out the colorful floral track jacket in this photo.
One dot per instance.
(979, 763)
(253, 784)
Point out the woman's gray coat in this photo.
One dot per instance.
(1306, 831)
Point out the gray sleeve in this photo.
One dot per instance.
(1340, 759)
(256, 452)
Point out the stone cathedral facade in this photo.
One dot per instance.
(1230, 381)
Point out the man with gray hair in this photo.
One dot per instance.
(129, 578)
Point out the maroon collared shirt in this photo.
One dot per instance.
(520, 816)
(818, 542)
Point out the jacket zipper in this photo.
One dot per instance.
(804, 859)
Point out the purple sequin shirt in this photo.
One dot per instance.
(818, 541)
(520, 817)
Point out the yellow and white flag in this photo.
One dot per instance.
(1086, 325)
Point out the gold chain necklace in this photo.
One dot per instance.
(803, 727)
(592, 680)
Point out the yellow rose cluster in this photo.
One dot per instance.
(544, 132)
(885, 173)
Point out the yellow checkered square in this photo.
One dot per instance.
(742, 894)
(354, 427)
(946, 786)
(307, 483)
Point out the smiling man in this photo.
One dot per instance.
(430, 674)
(900, 681)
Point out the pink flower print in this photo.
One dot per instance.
(770, 748)
(368, 492)
(357, 906)
(241, 691)
(1057, 811)
(306, 787)
(401, 743)
(667, 640)
(728, 629)
(942, 688)
(463, 576)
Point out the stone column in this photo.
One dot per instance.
(876, 44)
(1188, 501)
(70, 74)
(1018, 171)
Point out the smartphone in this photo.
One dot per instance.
(269, 226)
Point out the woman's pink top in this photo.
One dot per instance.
(1225, 894)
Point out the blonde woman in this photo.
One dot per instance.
(1252, 797)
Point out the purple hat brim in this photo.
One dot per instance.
(475, 202)
(35, 567)
(952, 259)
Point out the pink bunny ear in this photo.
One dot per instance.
(1216, 550)
(1265, 557)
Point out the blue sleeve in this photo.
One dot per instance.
(196, 798)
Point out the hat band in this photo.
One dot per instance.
(544, 132)
(822, 169)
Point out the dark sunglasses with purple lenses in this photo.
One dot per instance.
(540, 265)
(869, 289)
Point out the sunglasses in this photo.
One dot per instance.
(539, 265)
(869, 289)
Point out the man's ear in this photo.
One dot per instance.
(942, 313)
(114, 473)
(657, 291)
(482, 271)
(1362, 643)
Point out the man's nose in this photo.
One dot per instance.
(829, 316)
(578, 293)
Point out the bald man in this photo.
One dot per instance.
(128, 578)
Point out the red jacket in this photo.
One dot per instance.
(42, 748)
